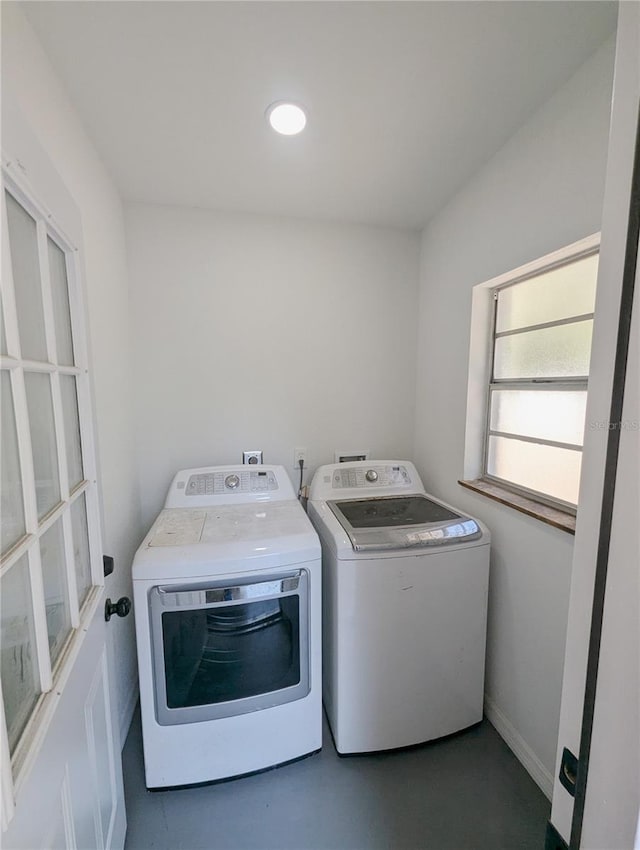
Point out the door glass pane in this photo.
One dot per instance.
(12, 523)
(546, 469)
(60, 296)
(549, 415)
(43, 441)
(26, 279)
(231, 652)
(81, 547)
(558, 352)
(3, 335)
(20, 681)
(560, 293)
(71, 429)
(56, 599)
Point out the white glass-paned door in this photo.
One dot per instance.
(43, 441)
(20, 680)
(60, 297)
(12, 525)
(61, 773)
(68, 392)
(27, 280)
(47, 519)
(56, 595)
(81, 547)
(3, 333)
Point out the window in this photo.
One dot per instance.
(49, 530)
(537, 394)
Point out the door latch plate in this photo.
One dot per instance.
(568, 771)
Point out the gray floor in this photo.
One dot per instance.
(468, 792)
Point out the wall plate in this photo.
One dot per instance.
(252, 457)
(349, 455)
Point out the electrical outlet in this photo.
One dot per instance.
(254, 456)
(299, 455)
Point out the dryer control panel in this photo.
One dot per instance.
(240, 481)
(229, 485)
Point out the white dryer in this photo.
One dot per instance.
(405, 581)
(227, 597)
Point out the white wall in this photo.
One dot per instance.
(541, 191)
(28, 78)
(268, 333)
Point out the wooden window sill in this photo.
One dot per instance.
(552, 516)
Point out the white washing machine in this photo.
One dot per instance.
(405, 581)
(227, 595)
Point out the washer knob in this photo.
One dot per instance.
(231, 481)
(371, 475)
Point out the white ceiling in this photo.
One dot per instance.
(405, 99)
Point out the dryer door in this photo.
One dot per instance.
(224, 649)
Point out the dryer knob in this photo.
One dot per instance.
(231, 481)
(371, 475)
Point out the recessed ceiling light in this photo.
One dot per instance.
(286, 118)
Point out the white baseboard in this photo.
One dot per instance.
(126, 716)
(519, 747)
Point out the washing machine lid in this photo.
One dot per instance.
(400, 522)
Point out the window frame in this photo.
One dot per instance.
(575, 384)
(482, 382)
(51, 677)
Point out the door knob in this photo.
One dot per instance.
(121, 608)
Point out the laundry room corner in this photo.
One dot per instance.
(269, 332)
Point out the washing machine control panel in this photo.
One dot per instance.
(228, 482)
(369, 476)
